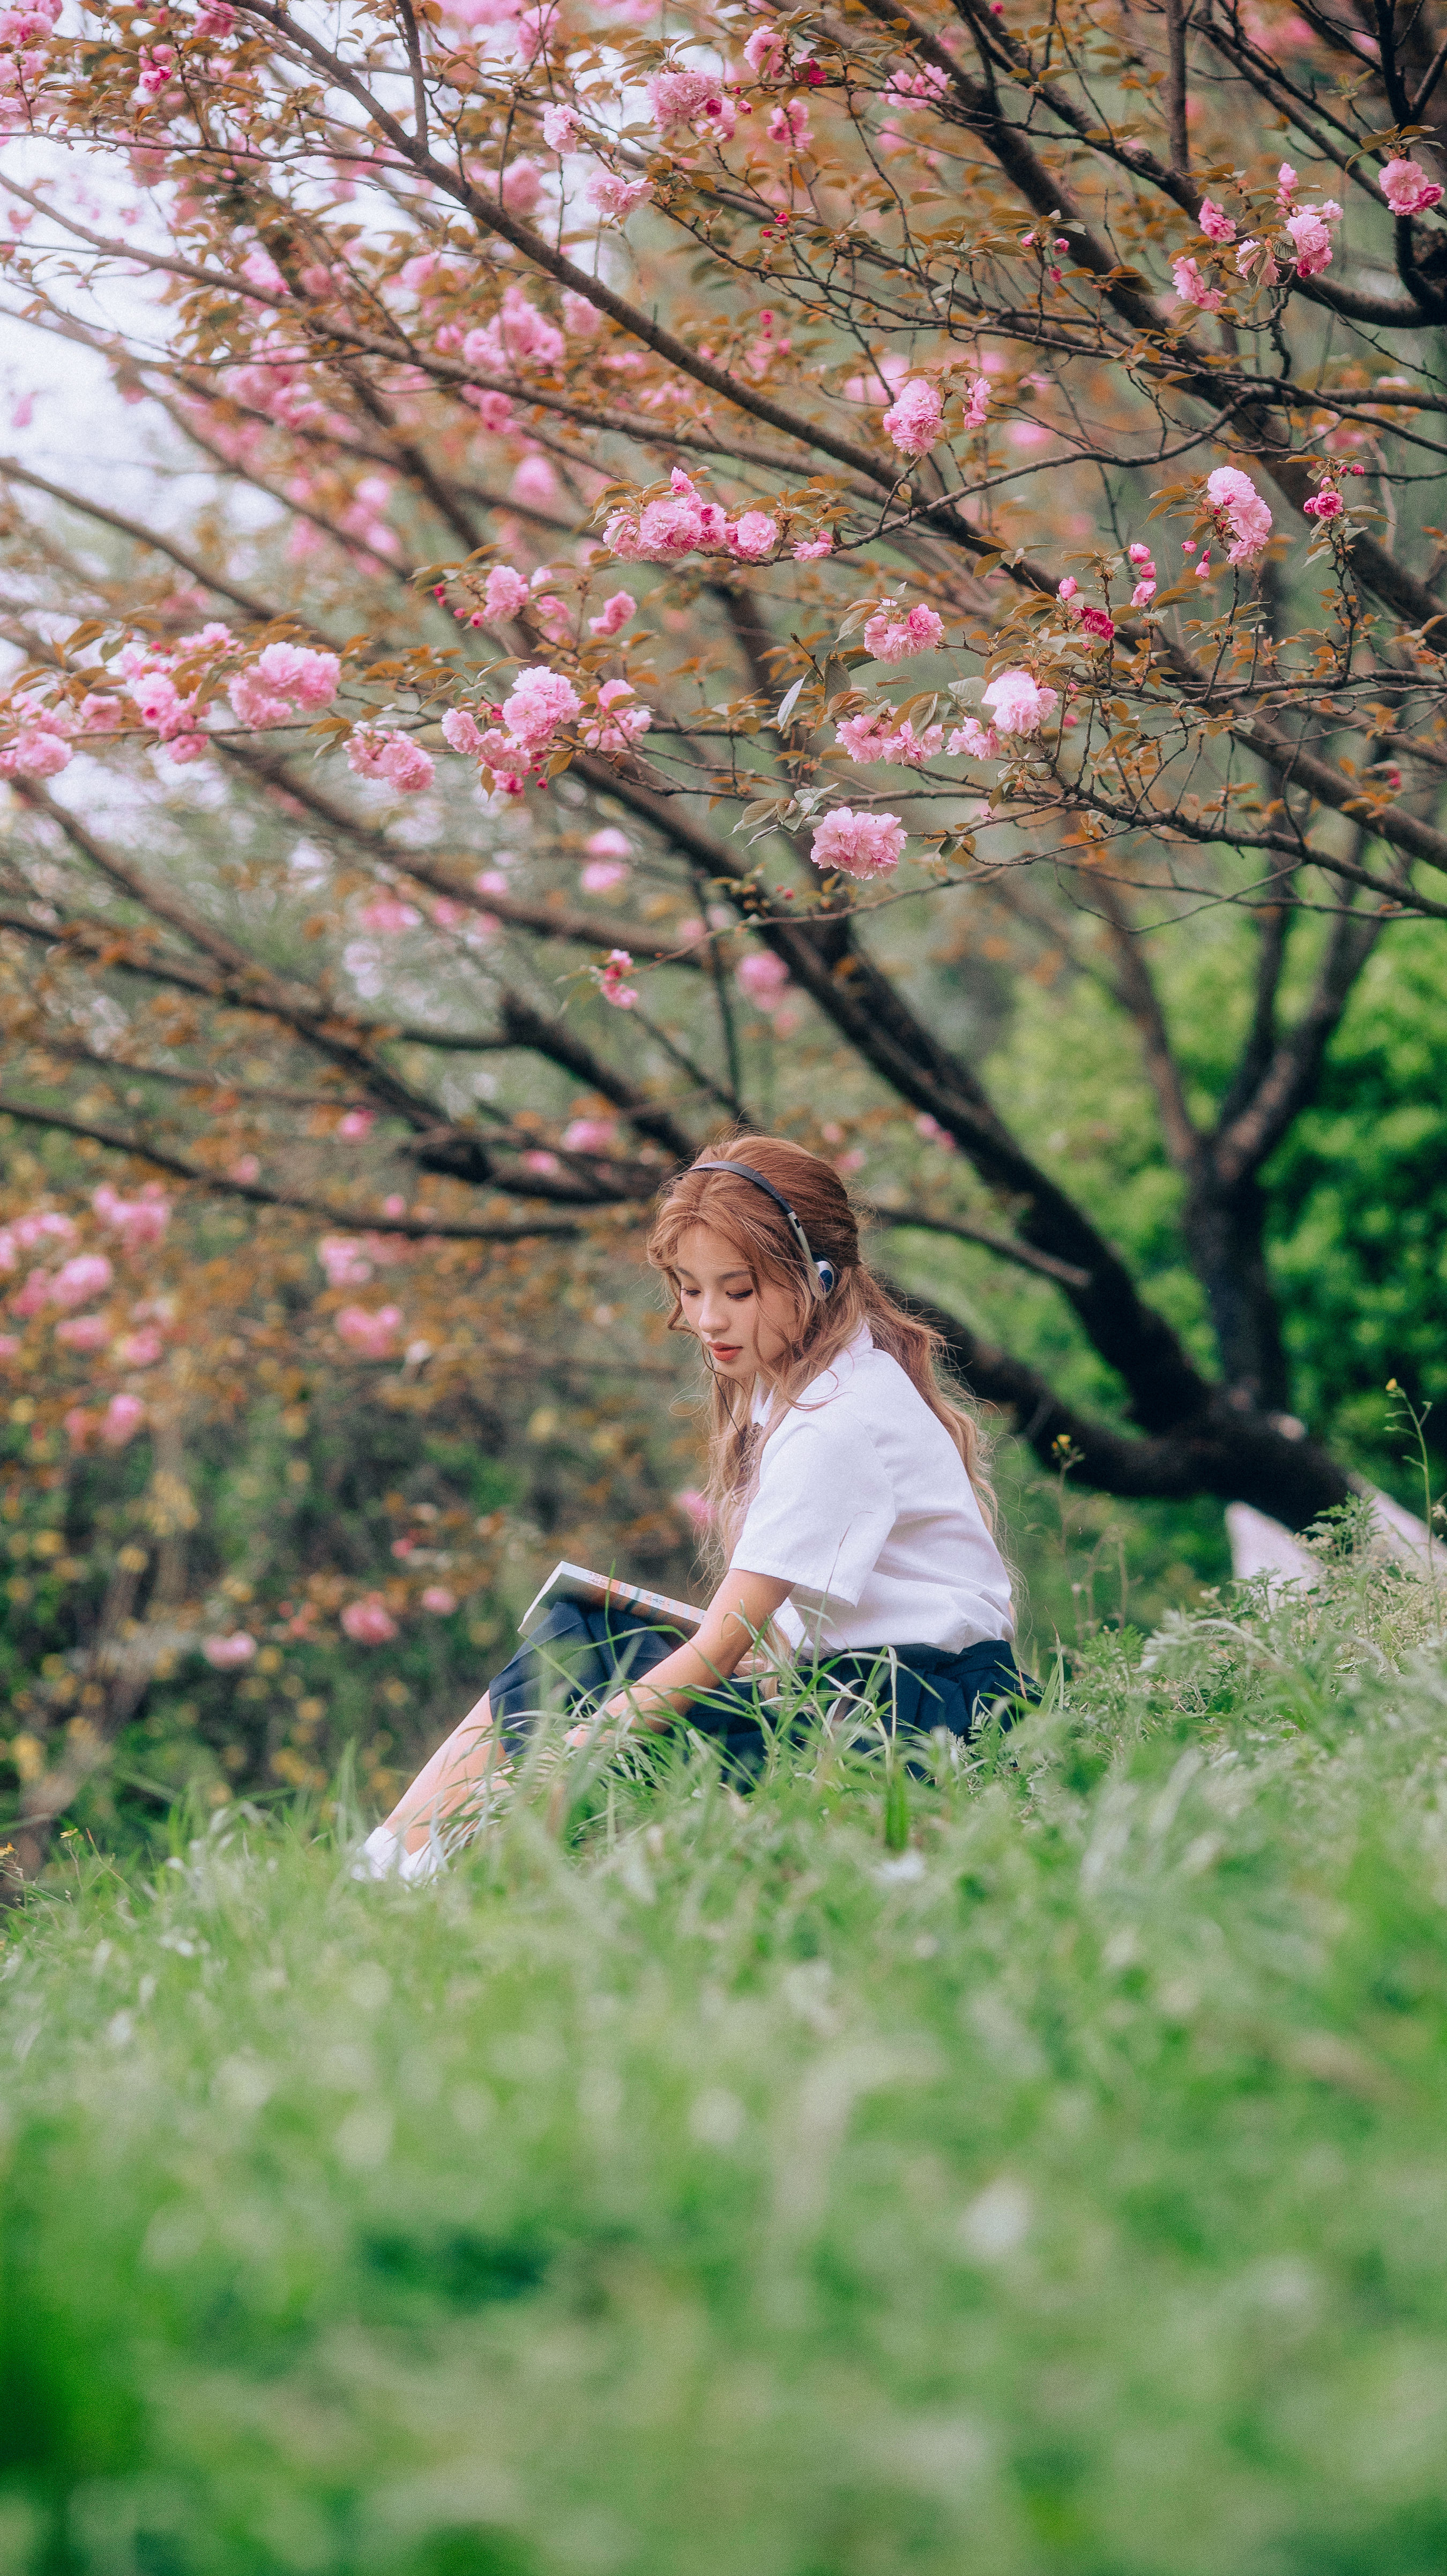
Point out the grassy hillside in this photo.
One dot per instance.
(695, 2186)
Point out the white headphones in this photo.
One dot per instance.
(821, 1275)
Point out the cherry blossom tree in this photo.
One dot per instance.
(800, 475)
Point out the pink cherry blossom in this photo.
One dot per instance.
(763, 977)
(860, 845)
(1408, 190)
(614, 198)
(1258, 253)
(813, 549)
(913, 422)
(369, 1622)
(1094, 621)
(611, 983)
(394, 757)
(609, 843)
(538, 1160)
(1142, 594)
(974, 741)
(1018, 703)
(1326, 504)
(618, 725)
(580, 317)
(753, 536)
(370, 1332)
(84, 1333)
(676, 97)
(1286, 185)
(36, 751)
(227, 1654)
(600, 876)
(561, 128)
(534, 483)
(876, 735)
(439, 1601)
(1234, 498)
(505, 593)
(342, 1259)
(313, 679)
(1191, 287)
(34, 1297)
(518, 333)
(977, 411)
(142, 1349)
(357, 1124)
(1310, 231)
(1215, 224)
(789, 122)
(590, 1135)
(137, 1221)
(387, 912)
(540, 701)
(616, 613)
(891, 639)
(88, 1275)
(121, 1420)
(1067, 589)
(764, 53)
(460, 731)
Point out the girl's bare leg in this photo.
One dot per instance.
(454, 1771)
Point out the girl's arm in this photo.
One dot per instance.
(742, 1606)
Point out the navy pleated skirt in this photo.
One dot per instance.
(577, 1657)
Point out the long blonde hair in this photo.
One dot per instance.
(823, 1326)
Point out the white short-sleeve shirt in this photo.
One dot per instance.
(864, 1509)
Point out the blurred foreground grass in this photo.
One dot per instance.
(688, 2186)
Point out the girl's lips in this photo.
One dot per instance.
(725, 1350)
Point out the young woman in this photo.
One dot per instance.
(852, 1514)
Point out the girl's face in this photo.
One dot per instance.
(745, 1331)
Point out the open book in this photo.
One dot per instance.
(596, 1591)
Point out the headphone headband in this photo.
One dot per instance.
(820, 1274)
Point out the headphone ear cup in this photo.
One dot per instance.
(826, 1275)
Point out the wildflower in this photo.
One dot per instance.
(1408, 190)
(861, 845)
(1234, 497)
(914, 420)
(1018, 703)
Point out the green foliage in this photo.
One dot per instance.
(696, 2182)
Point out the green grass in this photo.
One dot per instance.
(685, 2187)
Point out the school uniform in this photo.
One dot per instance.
(898, 1599)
